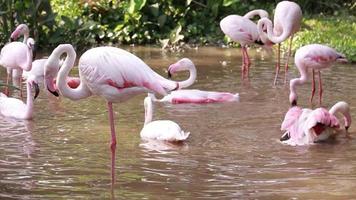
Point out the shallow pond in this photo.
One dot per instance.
(233, 151)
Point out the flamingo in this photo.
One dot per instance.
(109, 72)
(18, 56)
(165, 130)
(315, 57)
(37, 73)
(287, 19)
(244, 31)
(306, 126)
(192, 96)
(15, 108)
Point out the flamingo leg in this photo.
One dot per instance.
(113, 142)
(287, 60)
(320, 88)
(277, 64)
(313, 87)
(21, 94)
(243, 67)
(7, 83)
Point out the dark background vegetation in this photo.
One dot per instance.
(166, 23)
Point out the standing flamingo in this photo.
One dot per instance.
(287, 19)
(165, 130)
(315, 57)
(192, 96)
(306, 126)
(18, 56)
(109, 72)
(15, 108)
(244, 31)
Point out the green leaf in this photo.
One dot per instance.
(154, 8)
(136, 5)
(229, 2)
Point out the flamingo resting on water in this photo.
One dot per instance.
(306, 126)
(192, 96)
(109, 72)
(165, 130)
(244, 31)
(286, 22)
(17, 56)
(315, 57)
(15, 108)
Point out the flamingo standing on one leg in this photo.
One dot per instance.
(192, 96)
(315, 57)
(244, 31)
(287, 19)
(15, 108)
(17, 55)
(306, 126)
(110, 72)
(165, 130)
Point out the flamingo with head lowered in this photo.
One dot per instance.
(286, 23)
(109, 72)
(165, 130)
(189, 95)
(244, 31)
(313, 57)
(15, 108)
(306, 126)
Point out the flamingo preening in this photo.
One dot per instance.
(286, 23)
(109, 72)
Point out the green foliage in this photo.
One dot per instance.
(337, 32)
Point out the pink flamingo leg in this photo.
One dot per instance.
(20, 81)
(113, 142)
(287, 60)
(243, 67)
(277, 64)
(320, 88)
(7, 83)
(313, 87)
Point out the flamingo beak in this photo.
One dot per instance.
(34, 50)
(285, 137)
(55, 93)
(169, 74)
(37, 90)
(12, 39)
(294, 103)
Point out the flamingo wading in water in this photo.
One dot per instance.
(15, 108)
(165, 130)
(192, 96)
(109, 72)
(244, 31)
(315, 57)
(306, 126)
(286, 23)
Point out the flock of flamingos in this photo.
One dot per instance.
(117, 75)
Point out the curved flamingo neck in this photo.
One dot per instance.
(28, 64)
(343, 108)
(297, 81)
(270, 34)
(191, 79)
(261, 13)
(74, 94)
(29, 102)
(148, 110)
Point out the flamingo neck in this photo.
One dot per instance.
(261, 13)
(295, 82)
(29, 102)
(26, 35)
(191, 79)
(148, 110)
(343, 108)
(28, 64)
(74, 94)
(270, 33)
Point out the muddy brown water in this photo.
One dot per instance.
(233, 151)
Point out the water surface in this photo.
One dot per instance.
(233, 151)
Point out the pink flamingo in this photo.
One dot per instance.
(109, 72)
(15, 108)
(17, 56)
(306, 126)
(315, 57)
(192, 96)
(244, 31)
(165, 130)
(287, 19)
(37, 73)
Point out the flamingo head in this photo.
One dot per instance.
(181, 65)
(21, 29)
(33, 84)
(51, 70)
(341, 58)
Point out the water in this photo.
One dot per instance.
(233, 151)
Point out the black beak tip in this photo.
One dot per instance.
(347, 128)
(37, 90)
(55, 93)
(285, 137)
(294, 103)
(169, 75)
(12, 39)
